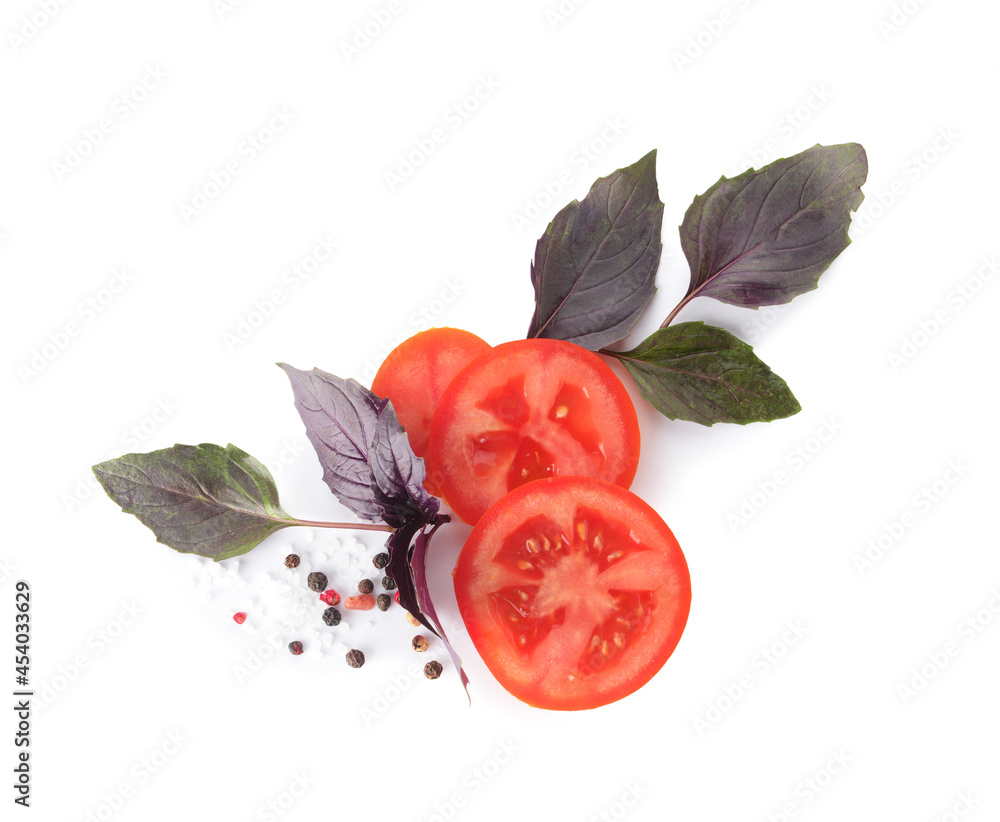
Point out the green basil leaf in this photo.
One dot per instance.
(704, 374)
(198, 499)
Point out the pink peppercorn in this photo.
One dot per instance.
(239, 618)
(330, 597)
(361, 602)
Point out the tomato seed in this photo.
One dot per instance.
(562, 412)
(581, 531)
(524, 565)
(532, 546)
(619, 640)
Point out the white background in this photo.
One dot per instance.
(918, 90)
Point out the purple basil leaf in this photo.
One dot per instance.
(408, 568)
(398, 474)
(595, 265)
(340, 418)
(696, 372)
(764, 237)
(198, 499)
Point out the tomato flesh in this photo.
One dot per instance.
(574, 591)
(416, 374)
(530, 410)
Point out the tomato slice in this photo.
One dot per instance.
(530, 410)
(416, 373)
(574, 591)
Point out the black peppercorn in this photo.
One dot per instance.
(383, 601)
(295, 647)
(366, 586)
(331, 616)
(317, 581)
(355, 658)
(432, 670)
(292, 561)
(389, 583)
(420, 643)
(380, 560)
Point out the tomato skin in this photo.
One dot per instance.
(416, 373)
(574, 596)
(526, 410)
